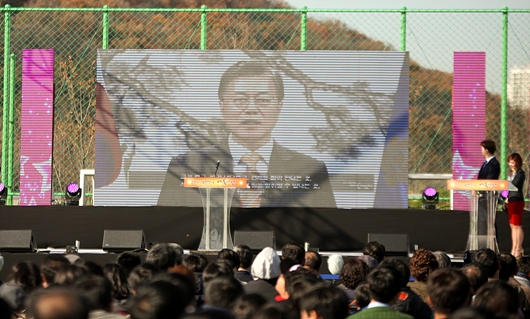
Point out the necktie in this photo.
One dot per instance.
(251, 197)
(484, 164)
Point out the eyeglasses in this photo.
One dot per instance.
(260, 101)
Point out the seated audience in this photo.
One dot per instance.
(165, 256)
(323, 302)
(97, 292)
(248, 305)
(157, 299)
(488, 259)
(476, 274)
(375, 250)
(230, 257)
(245, 261)
(128, 260)
(312, 261)
(497, 297)
(523, 275)
(384, 284)
(352, 274)
(294, 252)
(56, 303)
(443, 259)
(222, 293)
(448, 290)
(422, 263)
(265, 269)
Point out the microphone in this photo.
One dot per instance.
(216, 168)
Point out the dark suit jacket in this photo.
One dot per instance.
(283, 162)
(492, 170)
(518, 181)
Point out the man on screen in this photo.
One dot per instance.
(250, 97)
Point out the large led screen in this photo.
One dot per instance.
(306, 128)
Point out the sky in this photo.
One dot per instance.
(432, 38)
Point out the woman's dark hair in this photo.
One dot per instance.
(353, 273)
(26, 275)
(517, 159)
(115, 273)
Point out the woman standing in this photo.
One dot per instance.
(515, 204)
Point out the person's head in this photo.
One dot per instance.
(335, 264)
(476, 274)
(294, 252)
(222, 292)
(250, 96)
(324, 302)
(515, 161)
(184, 283)
(497, 297)
(248, 305)
(362, 296)
(443, 259)
(488, 148)
(448, 290)
(56, 303)
(96, 290)
(508, 265)
(216, 269)
(313, 260)
(164, 255)
(49, 267)
(230, 257)
(266, 265)
(116, 276)
(245, 256)
(375, 250)
(141, 274)
(68, 274)
(128, 260)
(524, 265)
(422, 263)
(299, 282)
(488, 259)
(369, 260)
(26, 275)
(353, 273)
(157, 299)
(401, 266)
(384, 284)
(195, 262)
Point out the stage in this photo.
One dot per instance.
(336, 230)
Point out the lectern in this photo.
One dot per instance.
(482, 210)
(216, 194)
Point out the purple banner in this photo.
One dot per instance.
(36, 128)
(469, 119)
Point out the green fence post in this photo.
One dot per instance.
(303, 31)
(10, 130)
(5, 137)
(403, 46)
(105, 44)
(204, 25)
(504, 96)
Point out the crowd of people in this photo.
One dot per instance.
(166, 283)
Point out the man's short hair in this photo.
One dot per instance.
(245, 256)
(248, 305)
(158, 299)
(222, 292)
(57, 303)
(374, 249)
(229, 256)
(384, 283)
(183, 282)
(313, 260)
(141, 274)
(329, 302)
(489, 145)
(216, 269)
(362, 295)
(399, 265)
(164, 255)
(300, 281)
(448, 290)
(476, 274)
(50, 265)
(353, 273)
(195, 262)
(488, 259)
(96, 290)
(250, 68)
(422, 263)
(443, 259)
(508, 265)
(497, 297)
(294, 252)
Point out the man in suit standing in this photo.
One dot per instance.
(490, 169)
(250, 98)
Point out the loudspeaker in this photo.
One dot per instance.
(17, 241)
(122, 240)
(256, 240)
(395, 244)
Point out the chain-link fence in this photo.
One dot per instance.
(431, 36)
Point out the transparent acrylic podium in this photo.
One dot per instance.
(482, 210)
(216, 194)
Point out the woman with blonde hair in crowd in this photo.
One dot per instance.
(515, 204)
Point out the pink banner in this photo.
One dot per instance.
(469, 119)
(36, 128)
